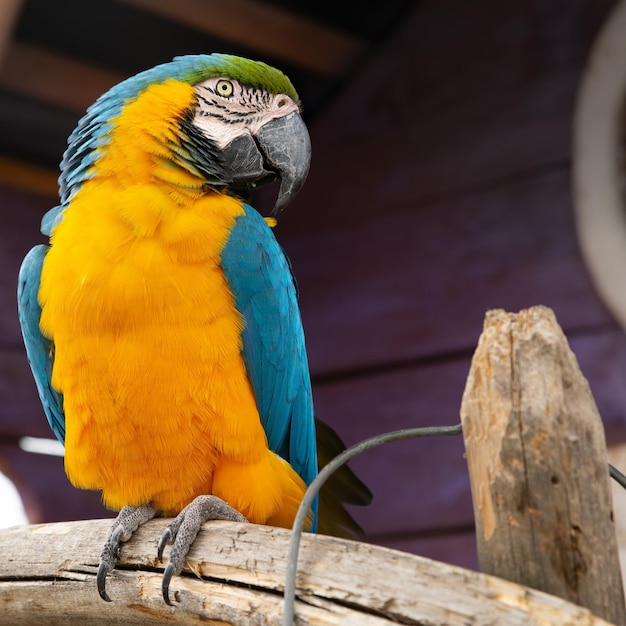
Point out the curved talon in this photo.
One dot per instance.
(124, 525)
(165, 585)
(166, 538)
(182, 532)
(110, 554)
(101, 579)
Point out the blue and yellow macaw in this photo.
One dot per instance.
(161, 321)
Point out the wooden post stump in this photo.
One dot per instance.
(538, 465)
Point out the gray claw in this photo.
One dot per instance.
(126, 523)
(184, 528)
(165, 585)
(166, 538)
(101, 579)
(109, 557)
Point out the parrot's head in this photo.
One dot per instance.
(231, 122)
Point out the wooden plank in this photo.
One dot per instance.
(243, 573)
(34, 131)
(21, 218)
(448, 107)
(54, 78)
(268, 30)
(535, 444)
(408, 286)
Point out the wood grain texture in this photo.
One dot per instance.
(50, 571)
(538, 465)
(411, 285)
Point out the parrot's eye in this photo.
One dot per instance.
(224, 88)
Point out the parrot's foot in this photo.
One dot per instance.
(183, 530)
(129, 519)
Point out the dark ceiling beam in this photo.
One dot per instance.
(17, 174)
(53, 78)
(9, 10)
(259, 26)
(65, 83)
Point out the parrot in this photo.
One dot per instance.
(161, 318)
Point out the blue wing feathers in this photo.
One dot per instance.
(39, 349)
(52, 218)
(274, 352)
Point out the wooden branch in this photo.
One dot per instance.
(538, 465)
(47, 575)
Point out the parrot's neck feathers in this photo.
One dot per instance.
(143, 143)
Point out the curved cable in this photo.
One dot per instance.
(321, 478)
(617, 476)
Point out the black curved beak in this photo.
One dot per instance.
(286, 146)
(281, 148)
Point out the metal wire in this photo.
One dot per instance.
(321, 478)
(617, 476)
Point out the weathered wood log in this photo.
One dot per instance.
(538, 465)
(236, 575)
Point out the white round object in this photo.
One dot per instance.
(599, 167)
(12, 511)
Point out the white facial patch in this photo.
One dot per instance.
(227, 109)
